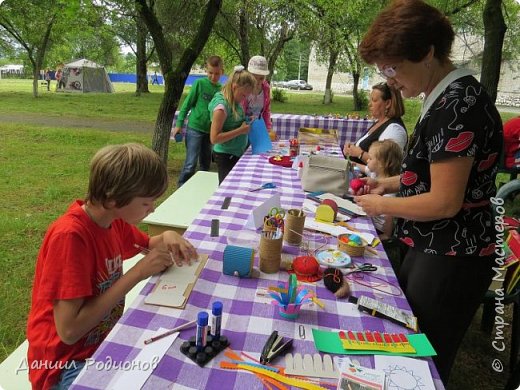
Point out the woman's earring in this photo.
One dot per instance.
(427, 64)
(386, 111)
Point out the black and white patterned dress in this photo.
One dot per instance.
(462, 121)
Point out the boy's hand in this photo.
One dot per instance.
(153, 263)
(181, 249)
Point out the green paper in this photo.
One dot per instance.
(329, 342)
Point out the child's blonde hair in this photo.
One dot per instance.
(389, 154)
(241, 78)
(121, 173)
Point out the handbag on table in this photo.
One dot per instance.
(325, 173)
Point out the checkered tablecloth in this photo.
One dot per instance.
(247, 322)
(349, 130)
(287, 126)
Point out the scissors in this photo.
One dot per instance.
(365, 267)
(263, 187)
(277, 212)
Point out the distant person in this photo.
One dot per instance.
(155, 78)
(229, 129)
(258, 104)
(47, 77)
(386, 107)
(59, 79)
(195, 106)
(79, 286)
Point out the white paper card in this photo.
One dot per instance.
(256, 218)
(146, 360)
(405, 373)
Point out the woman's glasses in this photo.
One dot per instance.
(387, 72)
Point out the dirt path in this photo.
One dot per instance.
(64, 121)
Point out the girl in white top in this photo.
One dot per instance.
(384, 159)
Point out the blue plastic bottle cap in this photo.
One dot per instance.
(216, 308)
(202, 318)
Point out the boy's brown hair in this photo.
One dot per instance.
(215, 61)
(121, 173)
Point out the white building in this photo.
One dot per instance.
(465, 53)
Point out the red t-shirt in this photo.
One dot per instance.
(78, 259)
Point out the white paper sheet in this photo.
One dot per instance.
(256, 218)
(405, 373)
(144, 363)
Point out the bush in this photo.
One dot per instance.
(279, 95)
(363, 99)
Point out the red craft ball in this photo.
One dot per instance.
(356, 184)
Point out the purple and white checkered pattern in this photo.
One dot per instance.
(246, 321)
(287, 126)
(349, 130)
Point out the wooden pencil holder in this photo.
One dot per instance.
(294, 224)
(270, 252)
(345, 245)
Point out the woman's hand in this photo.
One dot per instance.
(371, 186)
(371, 204)
(351, 150)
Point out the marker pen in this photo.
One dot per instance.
(216, 319)
(202, 330)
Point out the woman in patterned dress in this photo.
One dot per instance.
(447, 180)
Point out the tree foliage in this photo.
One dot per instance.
(178, 46)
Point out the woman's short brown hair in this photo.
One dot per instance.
(396, 109)
(121, 173)
(406, 30)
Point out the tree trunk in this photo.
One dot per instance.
(174, 79)
(494, 31)
(244, 34)
(140, 54)
(333, 59)
(355, 94)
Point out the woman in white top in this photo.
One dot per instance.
(387, 107)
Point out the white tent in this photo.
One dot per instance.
(85, 76)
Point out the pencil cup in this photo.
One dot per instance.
(293, 232)
(270, 252)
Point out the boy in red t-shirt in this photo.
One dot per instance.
(79, 286)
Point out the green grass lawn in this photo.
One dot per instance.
(42, 169)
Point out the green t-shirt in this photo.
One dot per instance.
(201, 93)
(237, 145)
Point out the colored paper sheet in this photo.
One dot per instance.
(329, 342)
(259, 137)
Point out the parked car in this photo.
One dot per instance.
(298, 84)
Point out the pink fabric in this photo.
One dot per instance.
(266, 111)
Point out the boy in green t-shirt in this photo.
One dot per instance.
(198, 145)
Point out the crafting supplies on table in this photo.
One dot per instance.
(247, 320)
